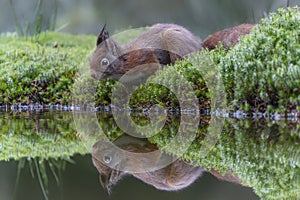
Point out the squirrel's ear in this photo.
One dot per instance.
(103, 35)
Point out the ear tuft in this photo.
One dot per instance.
(103, 35)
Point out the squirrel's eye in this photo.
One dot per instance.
(107, 159)
(104, 62)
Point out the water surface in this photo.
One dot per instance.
(42, 154)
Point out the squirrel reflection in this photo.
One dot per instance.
(175, 176)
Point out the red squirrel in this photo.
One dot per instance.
(160, 44)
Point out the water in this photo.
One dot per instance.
(80, 181)
(263, 153)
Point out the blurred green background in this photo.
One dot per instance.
(88, 16)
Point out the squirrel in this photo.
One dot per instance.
(161, 44)
(175, 176)
(228, 37)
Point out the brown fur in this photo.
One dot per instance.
(228, 37)
(161, 44)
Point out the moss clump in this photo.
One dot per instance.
(165, 86)
(41, 69)
(262, 72)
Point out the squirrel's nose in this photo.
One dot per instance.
(94, 75)
(98, 75)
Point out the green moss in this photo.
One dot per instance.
(263, 70)
(160, 88)
(41, 69)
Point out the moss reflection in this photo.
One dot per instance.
(263, 154)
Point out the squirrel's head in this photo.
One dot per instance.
(104, 61)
